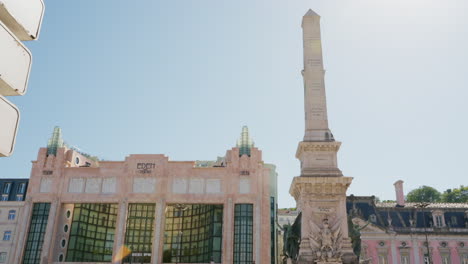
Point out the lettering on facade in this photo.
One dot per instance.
(47, 172)
(323, 209)
(145, 168)
(244, 172)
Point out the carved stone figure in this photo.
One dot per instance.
(325, 241)
(355, 235)
(290, 244)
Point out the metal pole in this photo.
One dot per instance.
(181, 208)
(422, 205)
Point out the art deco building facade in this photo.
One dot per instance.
(148, 209)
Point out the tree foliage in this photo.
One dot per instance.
(424, 194)
(456, 195)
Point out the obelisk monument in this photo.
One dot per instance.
(320, 190)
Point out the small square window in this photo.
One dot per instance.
(7, 187)
(4, 197)
(22, 188)
(7, 236)
(11, 215)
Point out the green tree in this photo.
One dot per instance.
(456, 195)
(423, 194)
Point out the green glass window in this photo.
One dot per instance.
(193, 233)
(243, 234)
(139, 233)
(92, 233)
(37, 228)
(273, 240)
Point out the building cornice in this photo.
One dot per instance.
(317, 146)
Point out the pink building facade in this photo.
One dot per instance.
(147, 209)
(404, 233)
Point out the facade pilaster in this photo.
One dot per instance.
(158, 241)
(46, 246)
(228, 231)
(415, 250)
(257, 229)
(393, 250)
(120, 231)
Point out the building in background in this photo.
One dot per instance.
(400, 232)
(13, 189)
(13, 194)
(148, 209)
(404, 233)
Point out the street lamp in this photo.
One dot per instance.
(422, 205)
(180, 208)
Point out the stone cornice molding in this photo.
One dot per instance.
(308, 146)
(320, 186)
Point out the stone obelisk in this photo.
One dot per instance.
(320, 191)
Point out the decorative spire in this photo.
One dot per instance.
(244, 143)
(55, 141)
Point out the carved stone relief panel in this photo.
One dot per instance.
(179, 186)
(144, 185)
(76, 185)
(93, 185)
(213, 186)
(196, 186)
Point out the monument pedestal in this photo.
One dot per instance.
(324, 226)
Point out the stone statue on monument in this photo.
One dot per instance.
(325, 241)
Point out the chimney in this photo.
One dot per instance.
(400, 197)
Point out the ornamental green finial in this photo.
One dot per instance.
(245, 143)
(55, 141)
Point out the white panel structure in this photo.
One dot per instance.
(15, 64)
(9, 120)
(23, 17)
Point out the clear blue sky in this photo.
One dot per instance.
(182, 77)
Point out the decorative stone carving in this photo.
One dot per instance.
(317, 146)
(325, 241)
